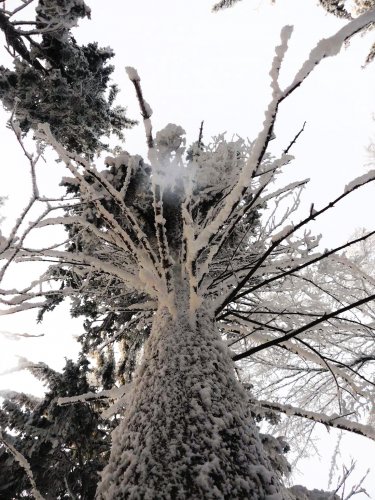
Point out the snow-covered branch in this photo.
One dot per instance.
(293, 267)
(285, 233)
(335, 421)
(328, 47)
(24, 464)
(308, 326)
(114, 393)
(227, 211)
(166, 260)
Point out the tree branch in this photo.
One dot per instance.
(335, 421)
(302, 329)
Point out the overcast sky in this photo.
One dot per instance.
(196, 66)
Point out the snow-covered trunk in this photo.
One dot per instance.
(186, 432)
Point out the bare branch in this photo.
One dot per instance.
(304, 328)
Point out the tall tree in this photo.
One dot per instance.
(175, 250)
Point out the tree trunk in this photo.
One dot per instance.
(187, 433)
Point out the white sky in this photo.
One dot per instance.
(196, 66)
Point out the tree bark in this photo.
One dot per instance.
(187, 432)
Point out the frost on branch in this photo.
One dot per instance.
(24, 464)
(166, 258)
(52, 73)
(132, 74)
(64, 446)
(344, 9)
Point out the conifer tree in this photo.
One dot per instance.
(66, 446)
(173, 251)
(56, 80)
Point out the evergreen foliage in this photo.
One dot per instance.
(66, 446)
(58, 81)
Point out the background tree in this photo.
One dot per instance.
(65, 446)
(55, 80)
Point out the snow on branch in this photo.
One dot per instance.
(335, 421)
(307, 263)
(256, 200)
(18, 335)
(329, 47)
(324, 48)
(120, 396)
(360, 181)
(146, 110)
(288, 231)
(312, 356)
(85, 259)
(120, 242)
(255, 158)
(23, 364)
(132, 238)
(308, 326)
(24, 464)
(21, 308)
(67, 157)
(166, 260)
(114, 393)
